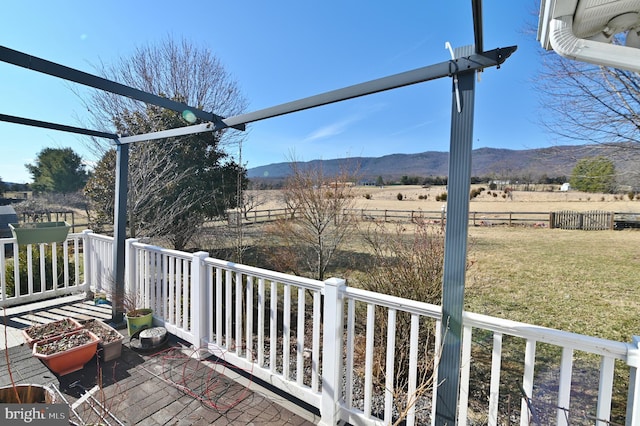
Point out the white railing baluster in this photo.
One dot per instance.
(65, 265)
(178, 295)
(564, 388)
(286, 331)
(43, 269)
(494, 389)
(273, 327)
(350, 351)
(465, 375)
(238, 332)
(389, 388)
(172, 291)
(315, 350)
(368, 363)
(249, 324)
(414, 336)
(219, 307)
(605, 391)
(29, 269)
(300, 327)
(436, 365)
(3, 275)
(228, 317)
(261, 308)
(16, 270)
(527, 381)
(54, 269)
(186, 297)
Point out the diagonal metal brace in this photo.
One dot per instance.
(51, 68)
(474, 62)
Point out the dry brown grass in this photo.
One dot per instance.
(579, 281)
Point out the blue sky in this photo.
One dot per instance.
(280, 51)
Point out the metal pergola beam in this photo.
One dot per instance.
(55, 126)
(71, 74)
(476, 61)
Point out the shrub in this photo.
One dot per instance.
(631, 195)
(368, 196)
(441, 197)
(399, 196)
(409, 264)
(35, 270)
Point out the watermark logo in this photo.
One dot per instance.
(34, 414)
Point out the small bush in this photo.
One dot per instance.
(441, 197)
(368, 196)
(631, 195)
(495, 194)
(50, 283)
(399, 196)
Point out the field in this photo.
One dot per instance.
(580, 281)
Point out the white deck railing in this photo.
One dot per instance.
(363, 357)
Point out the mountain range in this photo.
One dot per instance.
(495, 162)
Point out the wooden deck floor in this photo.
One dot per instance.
(166, 387)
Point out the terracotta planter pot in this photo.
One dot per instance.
(139, 319)
(29, 394)
(67, 361)
(36, 333)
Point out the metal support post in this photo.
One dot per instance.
(119, 233)
(455, 254)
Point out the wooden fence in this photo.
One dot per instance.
(589, 220)
(594, 220)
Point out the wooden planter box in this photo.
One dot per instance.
(40, 232)
(29, 394)
(110, 346)
(40, 332)
(67, 360)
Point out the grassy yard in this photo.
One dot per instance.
(580, 281)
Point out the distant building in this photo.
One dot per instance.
(565, 187)
(7, 216)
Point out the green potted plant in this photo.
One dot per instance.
(40, 232)
(137, 317)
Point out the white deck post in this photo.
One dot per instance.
(199, 299)
(332, 351)
(131, 268)
(633, 398)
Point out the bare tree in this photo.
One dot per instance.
(590, 103)
(174, 184)
(318, 224)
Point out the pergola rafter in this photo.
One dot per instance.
(463, 67)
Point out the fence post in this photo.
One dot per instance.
(633, 398)
(332, 351)
(199, 299)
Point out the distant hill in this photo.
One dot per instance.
(534, 163)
